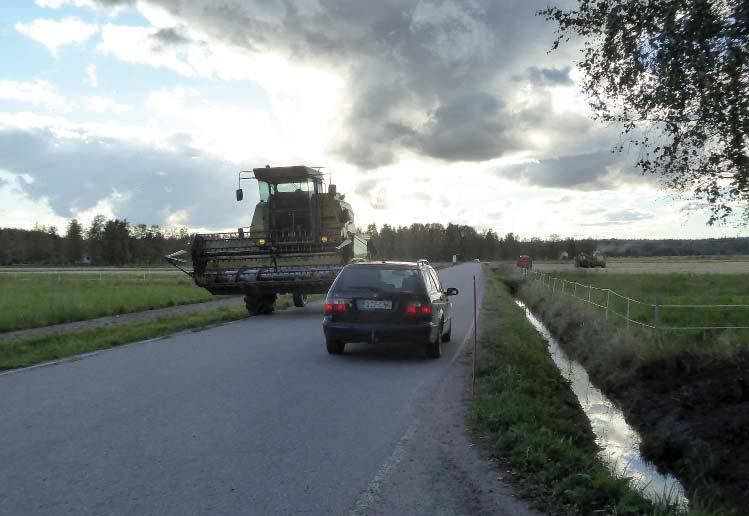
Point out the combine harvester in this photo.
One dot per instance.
(301, 236)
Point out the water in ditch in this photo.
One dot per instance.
(619, 442)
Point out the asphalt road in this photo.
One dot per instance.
(252, 417)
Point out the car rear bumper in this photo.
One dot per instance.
(378, 332)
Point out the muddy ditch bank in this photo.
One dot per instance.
(691, 409)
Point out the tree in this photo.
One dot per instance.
(116, 242)
(95, 236)
(73, 242)
(675, 74)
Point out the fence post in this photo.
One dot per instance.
(627, 313)
(608, 302)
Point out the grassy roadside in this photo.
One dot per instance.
(531, 420)
(36, 300)
(34, 350)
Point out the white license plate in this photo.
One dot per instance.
(372, 304)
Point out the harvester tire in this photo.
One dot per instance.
(253, 304)
(300, 300)
(267, 304)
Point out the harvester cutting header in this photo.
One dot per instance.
(301, 235)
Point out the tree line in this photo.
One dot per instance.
(104, 242)
(116, 242)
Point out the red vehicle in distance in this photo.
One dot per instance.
(525, 262)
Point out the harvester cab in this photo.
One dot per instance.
(301, 235)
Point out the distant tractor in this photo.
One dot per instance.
(524, 262)
(592, 260)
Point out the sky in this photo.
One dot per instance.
(420, 111)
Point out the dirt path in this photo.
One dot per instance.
(116, 320)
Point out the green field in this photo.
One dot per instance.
(666, 290)
(30, 300)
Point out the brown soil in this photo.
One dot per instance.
(689, 409)
(116, 320)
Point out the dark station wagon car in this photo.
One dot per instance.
(388, 302)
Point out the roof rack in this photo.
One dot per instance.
(422, 261)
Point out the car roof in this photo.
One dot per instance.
(389, 265)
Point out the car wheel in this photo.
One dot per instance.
(335, 347)
(446, 337)
(434, 348)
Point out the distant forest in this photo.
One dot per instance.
(116, 242)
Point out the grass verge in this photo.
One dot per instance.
(34, 350)
(688, 400)
(36, 300)
(531, 420)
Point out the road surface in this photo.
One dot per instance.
(252, 417)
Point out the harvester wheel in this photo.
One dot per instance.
(300, 300)
(267, 304)
(253, 304)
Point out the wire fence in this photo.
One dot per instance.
(633, 311)
(157, 275)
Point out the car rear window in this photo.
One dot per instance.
(379, 279)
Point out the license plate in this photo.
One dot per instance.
(372, 304)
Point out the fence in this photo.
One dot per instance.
(586, 293)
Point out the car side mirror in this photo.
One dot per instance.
(240, 194)
(452, 291)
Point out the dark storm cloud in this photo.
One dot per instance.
(170, 37)
(550, 76)
(595, 171)
(75, 174)
(429, 77)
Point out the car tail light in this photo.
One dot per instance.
(418, 309)
(338, 306)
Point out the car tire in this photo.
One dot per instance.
(446, 337)
(434, 348)
(335, 347)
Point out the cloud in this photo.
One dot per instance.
(170, 37)
(550, 76)
(431, 78)
(37, 93)
(91, 78)
(144, 184)
(601, 170)
(54, 34)
(105, 104)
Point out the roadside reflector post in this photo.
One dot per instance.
(590, 291)
(627, 313)
(575, 292)
(554, 287)
(475, 340)
(657, 314)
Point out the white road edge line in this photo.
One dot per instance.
(370, 496)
